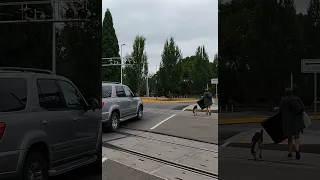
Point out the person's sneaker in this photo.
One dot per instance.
(298, 155)
(289, 155)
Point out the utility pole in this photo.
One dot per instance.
(156, 82)
(147, 85)
(121, 61)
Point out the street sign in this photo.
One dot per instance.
(214, 81)
(310, 65)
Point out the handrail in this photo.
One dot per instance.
(22, 69)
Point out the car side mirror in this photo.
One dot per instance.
(276, 108)
(136, 95)
(93, 104)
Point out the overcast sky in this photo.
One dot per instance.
(190, 22)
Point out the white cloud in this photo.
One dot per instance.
(190, 22)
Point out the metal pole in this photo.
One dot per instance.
(315, 95)
(53, 39)
(121, 62)
(216, 91)
(291, 81)
(147, 86)
(156, 82)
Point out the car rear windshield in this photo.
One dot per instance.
(106, 91)
(13, 94)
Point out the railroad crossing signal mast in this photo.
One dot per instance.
(32, 12)
(116, 61)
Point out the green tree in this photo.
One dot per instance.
(170, 67)
(256, 37)
(79, 59)
(135, 74)
(27, 44)
(110, 48)
(201, 71)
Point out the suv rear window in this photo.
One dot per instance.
(50, 97)
(13, 94)
(106, 91)
(120, 91)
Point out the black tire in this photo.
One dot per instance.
(139, 116)
(115, 118)
(32, 160)
(97, 166)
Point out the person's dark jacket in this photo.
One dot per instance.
(207, 96)
(291, 109)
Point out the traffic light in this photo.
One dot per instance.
(129, 61)
(44, 11)
(78, 14)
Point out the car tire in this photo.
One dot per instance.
(35, 165)
(114, 122)
(97, 166)
(140, 113)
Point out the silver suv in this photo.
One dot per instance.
(119, 104)
(46, 126)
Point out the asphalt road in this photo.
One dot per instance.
(233, 169)
(176, 137)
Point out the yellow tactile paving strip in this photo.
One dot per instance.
(168, 101)
(250, 120)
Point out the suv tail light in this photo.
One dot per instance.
(2, 129)
(102, 104)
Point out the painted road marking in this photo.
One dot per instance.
(225, 144)
(104, 159)
(162, 122)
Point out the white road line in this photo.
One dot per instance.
(104, 159)
(162, 122)
(225, 144)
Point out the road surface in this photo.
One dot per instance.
(236, 162)
(167, 144)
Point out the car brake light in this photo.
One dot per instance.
(102, 103)
(2, 129)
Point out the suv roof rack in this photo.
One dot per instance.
(25, 70)
(111, 82)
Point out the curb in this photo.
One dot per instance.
(249, 120)
(199, 110)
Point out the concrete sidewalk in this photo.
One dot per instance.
(214, 107)
(238, 163)
(307, 159)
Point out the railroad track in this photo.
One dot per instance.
(127, 134)
(166, 162)
(170, 135)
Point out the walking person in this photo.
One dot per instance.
(207, 96)
(291, 109)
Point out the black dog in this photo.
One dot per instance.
(195, 110)
(257, 144)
